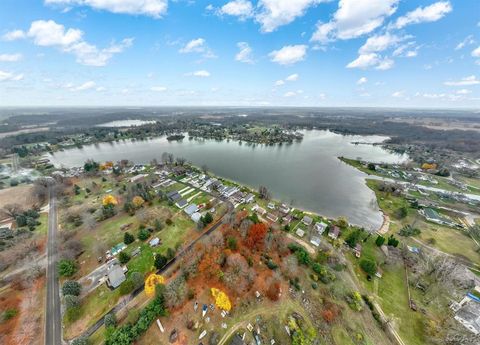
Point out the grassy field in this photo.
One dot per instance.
(43, 227)
(449, 240)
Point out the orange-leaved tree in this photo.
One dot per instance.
(256, 235)
(109, 199)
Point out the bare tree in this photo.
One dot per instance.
(181, 161)
(205, 169)
(11, 210)
(264, 193)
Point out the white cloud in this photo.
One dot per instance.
(279, 83)
(289, 54)
(411, 53)
(364, 61)
(398, 94)
(292, 77)
(274, 13)
(13, 35)
(354, 18)
(9, 76)
(470, 80)
(200, 74)
(467, 41)
(362, 81)
(51, 34)
(245, 53)
(198, 45)
(476, 52)
(158, 88)
(152, 8)
(463, 92)
(101, 89)
(238, 8)
(10, 57)
(380, 43)
(429, 13)
(86, 86)
(290, 94)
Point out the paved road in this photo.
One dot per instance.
(125, 300)
(53, 318)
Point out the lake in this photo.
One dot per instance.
(307, 174)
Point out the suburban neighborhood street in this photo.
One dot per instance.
(53, 324)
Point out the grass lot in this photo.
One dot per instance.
(448, 240)
(43, 227)
(95, 305)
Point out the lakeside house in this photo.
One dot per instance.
(259, 209)
(467, 312)
(334, 232)
(433, 216)
(272, 217)
(320, 227)
(249, 198)
(284, 209)
(307, 220)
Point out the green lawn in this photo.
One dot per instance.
(43, 227)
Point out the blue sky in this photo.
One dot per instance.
(246, 53)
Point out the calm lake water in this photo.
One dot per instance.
(306, 174)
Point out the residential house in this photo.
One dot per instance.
(307, 220)
(173, 195)
(284, 209)
(300, 232)
(320, 227)
(250, 198)
(154, 242)
(116, 276)
(271, 205)
(334, 232)
(237, 340)
(196, 217)
(191, 209)
(272, 217)
(315, 240)
(181, 203)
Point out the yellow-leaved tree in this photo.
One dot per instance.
(137, 201)
(152, 281)
(109, 200)
(221, 299)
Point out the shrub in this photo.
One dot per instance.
(160, 261)
(137, 279)
(408, 230)
(110, 320)
(126, 287)
(169, 222)
(66, 268)
(71, 287)
(128, 238)
(71, 301)
(380, 241)
(207, 218)
(368, 266)
(232, 243)
(392, 241)
(9, 314)
(123, 258)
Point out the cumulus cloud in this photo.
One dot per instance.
(292, 77)
(10, 57)
(467, 81)
(354, 18)
(378, 43)
(9, 76)
(245, 53)
(274, 13)
(371, 60)
(86, 86)
(152, 8)
(13, 35)
(362, 81)
(200, 74)
(238, 8)
(476, 52)
(288, 55)
(197, 45)
(279, 83)
(48, 33)
(429, 13)
(398, 94)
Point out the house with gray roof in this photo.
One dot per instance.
(116, 276)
